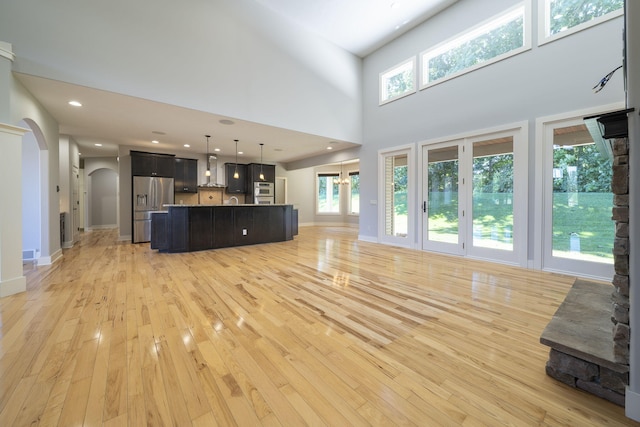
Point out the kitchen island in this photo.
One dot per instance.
(186, 228)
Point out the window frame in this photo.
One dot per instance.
(350, 211)
(544, 24)
(464, 36)
(333, 175)
(393, 71)
(408, 241)
(543, 251)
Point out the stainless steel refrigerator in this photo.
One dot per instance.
(150, 194)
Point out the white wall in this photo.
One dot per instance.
(550, 79)
(25, 107)
(221, 57)
(103, 196)
(102, 188)
(31, 209)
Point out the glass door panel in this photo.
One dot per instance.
(442, 207)
(492, 195)
(581, 215)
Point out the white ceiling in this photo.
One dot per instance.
(110, 119)
(359, 26)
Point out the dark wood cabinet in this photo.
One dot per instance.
(253, 175)
(200, 219)
(186, 175)
(159, 231)
(236, 185)
(223, 227)
(151, 164)
(195, 228)
(178, 226)
(254, 169)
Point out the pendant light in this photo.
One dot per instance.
(261, 173)
(236, 175)
(340, 179)
(208, 171)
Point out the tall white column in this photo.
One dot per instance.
(632, 28)
(12, 279)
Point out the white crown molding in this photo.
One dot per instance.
(6, 51)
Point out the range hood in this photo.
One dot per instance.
(606, 127)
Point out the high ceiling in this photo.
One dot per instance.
(358, 26)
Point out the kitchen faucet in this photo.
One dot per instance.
(233, 198)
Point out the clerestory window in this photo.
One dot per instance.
(500, 37)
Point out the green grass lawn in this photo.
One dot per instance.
(589, 219)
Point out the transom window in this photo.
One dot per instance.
(564, 17)
(502, 36)
(398, 81)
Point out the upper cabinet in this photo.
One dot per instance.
(186, 175)
(254, 169)
(239, 184)
(151, 164)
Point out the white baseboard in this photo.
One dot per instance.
(370, 239)
(123, 238)
(13, 286)
(48, 260)
(103, 227)
(632, 405)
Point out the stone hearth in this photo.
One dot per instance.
(589, 334)
(581, 340)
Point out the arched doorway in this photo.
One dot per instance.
(35, 195)
(102, 209)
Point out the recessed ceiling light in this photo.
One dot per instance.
(240, 152)
(75, 103)
(226, 122)
(155, 142)
(98, 145)
(187, 145)
(157, 132)
(329, 148)
(216, 150)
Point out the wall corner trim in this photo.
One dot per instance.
(6, 51)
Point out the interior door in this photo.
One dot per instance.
(443, 189)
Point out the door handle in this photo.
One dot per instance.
(424, 207)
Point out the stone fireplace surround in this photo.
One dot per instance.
(589, 334)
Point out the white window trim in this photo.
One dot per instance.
(544, 18)
(381, 80)
(520, 133)
(315, 195)
(410, 240)
(469, 34)
(542, 245)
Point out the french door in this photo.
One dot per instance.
(474, 196)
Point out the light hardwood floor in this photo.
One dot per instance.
(321, 330)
